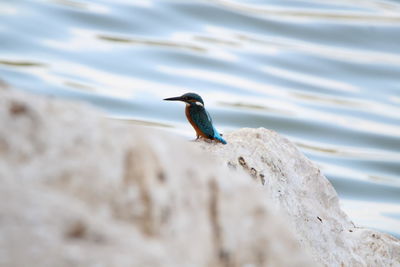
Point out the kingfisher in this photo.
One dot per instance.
(198, 117)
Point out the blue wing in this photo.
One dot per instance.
(216, 134)
(203, 120)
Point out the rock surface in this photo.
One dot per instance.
(77, 189)
(296, 187)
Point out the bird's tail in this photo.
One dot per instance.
(219, 138)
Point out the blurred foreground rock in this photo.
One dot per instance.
(77, 189)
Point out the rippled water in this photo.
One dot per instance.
(324, 74)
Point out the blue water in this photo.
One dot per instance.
(324, 74)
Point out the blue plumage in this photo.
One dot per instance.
(202, 119)
(198, 116)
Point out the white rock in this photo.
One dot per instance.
(299, 190)
(77, 189)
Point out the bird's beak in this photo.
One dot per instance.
(177, 98)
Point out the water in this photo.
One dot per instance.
(326, 75)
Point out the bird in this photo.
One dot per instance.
(198, 117)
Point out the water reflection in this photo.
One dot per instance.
(80, 5)
(317, 13)
(15, 63)
(176, 45)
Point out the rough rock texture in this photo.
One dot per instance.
(77, 189)
(298, 189)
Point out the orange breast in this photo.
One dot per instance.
(198, 131)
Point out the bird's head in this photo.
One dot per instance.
(188, 98)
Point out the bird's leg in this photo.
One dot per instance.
(197, 138)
